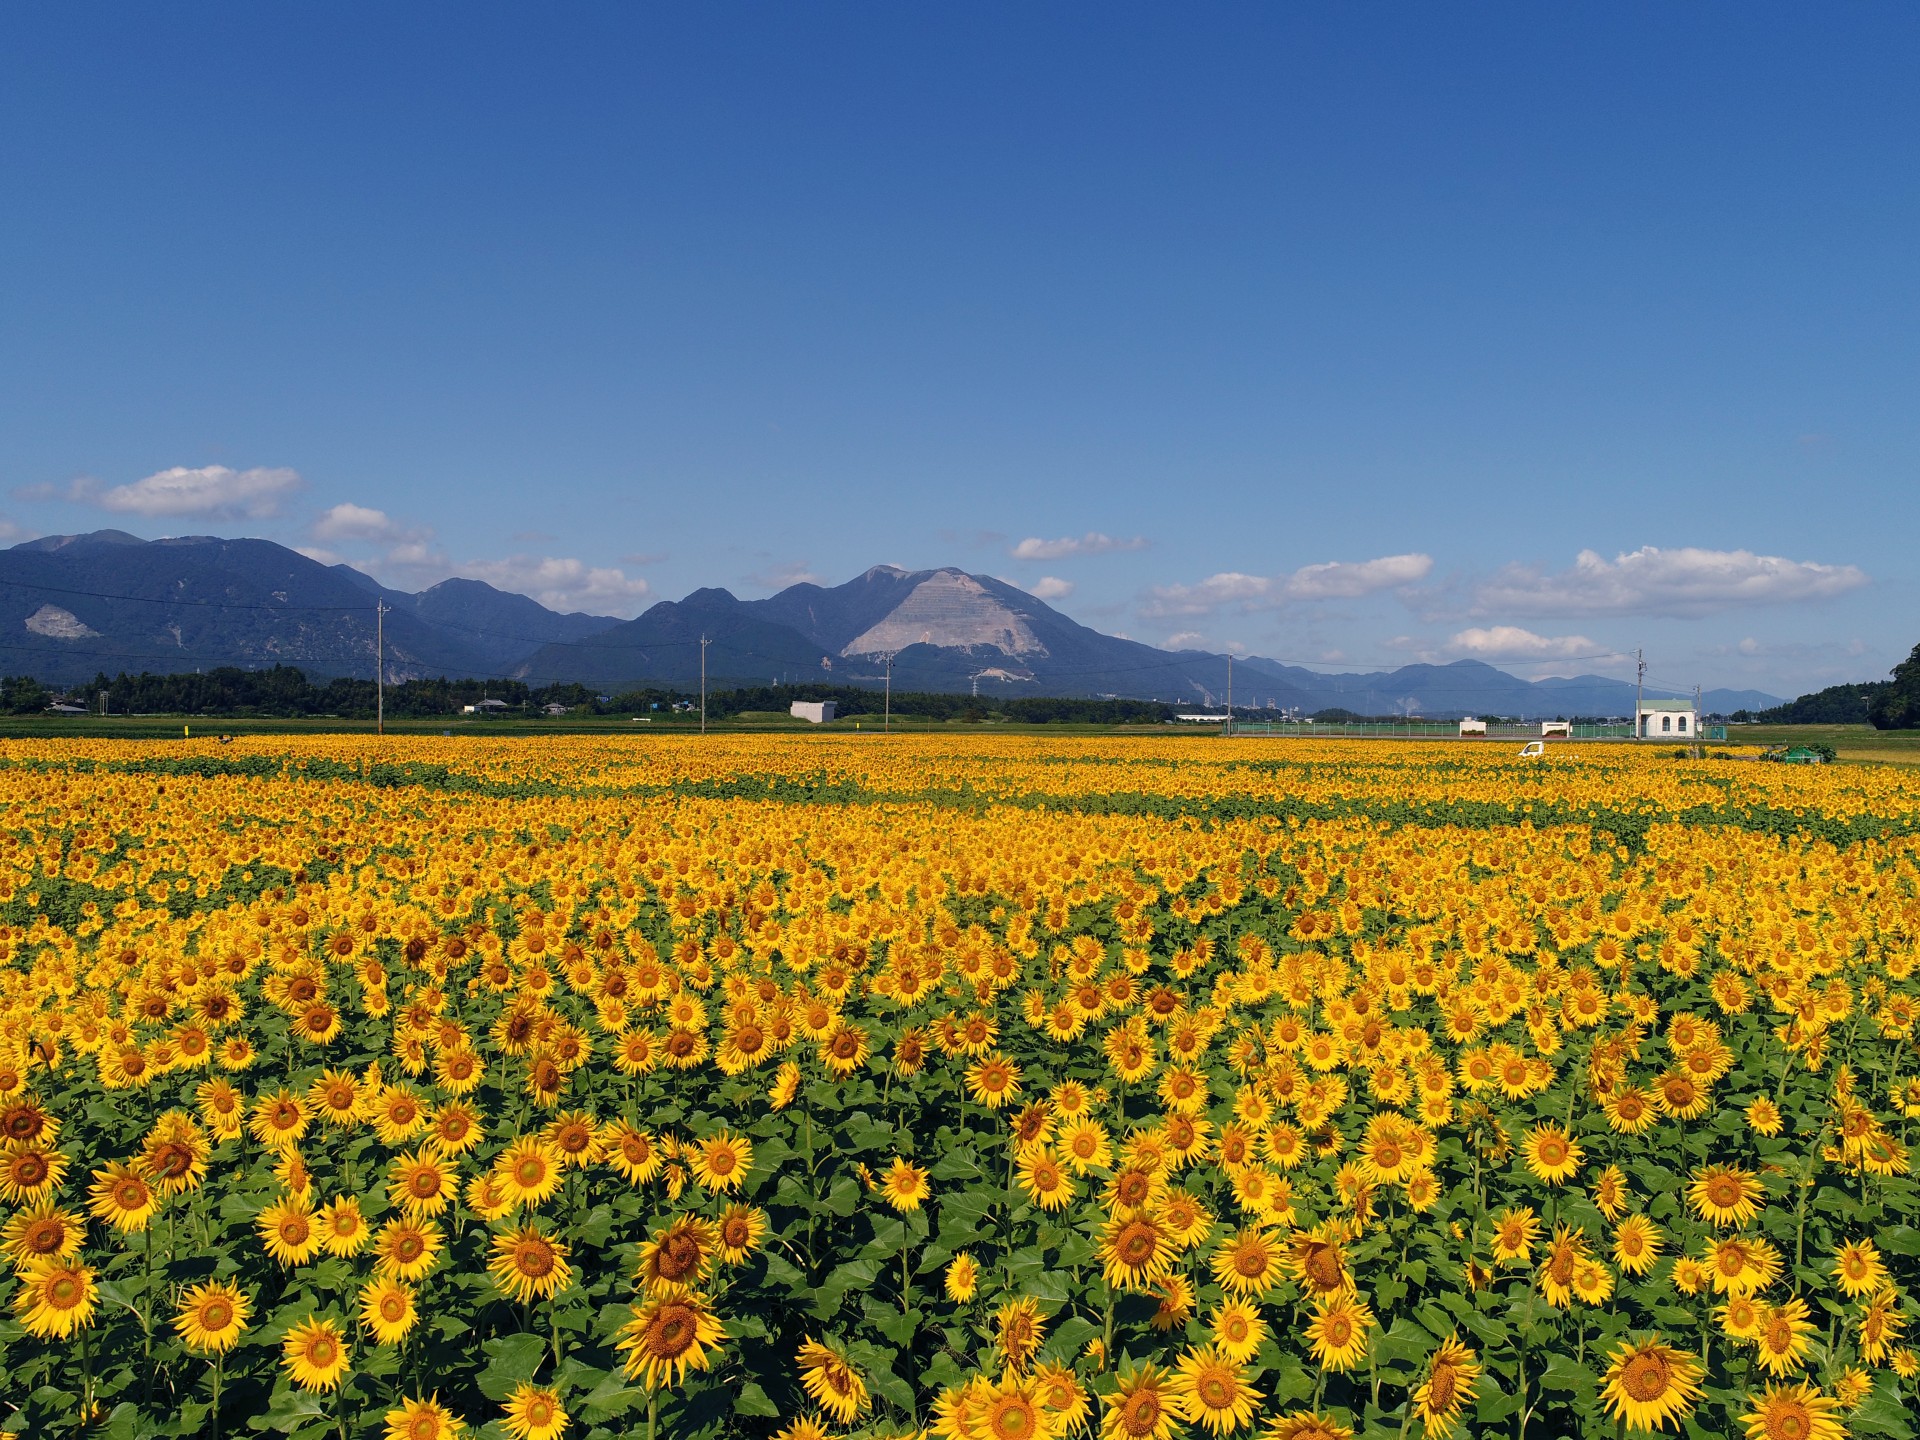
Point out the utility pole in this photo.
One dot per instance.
(1229, 729)
(704, 642)
(886, 723)
(380, 667)
(1699, 711)
(1639, 688)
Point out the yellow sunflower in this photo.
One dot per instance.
(29, 1169)
(669, 1335)
(528, 1264)
(1782, 1336)
(1338, 1332)
(1140, 1406)
(314, 1354)
(1636, 1245)
(387, 1310)
(1725, 1195)
(534, 1413)
(56, 1298)
(678, 1256)
(406, 1249)
(122, 1197)
(632, 1152)
(41, 1233)
(416, 1419)
(1793, 1412)
(1135, 1251)
(993, 1081)
(1249, 1263)
(721, 1161)
(830, 1379)
(904, 1185)
(962, 1278)
(1649, 1383)
(288, 1231)
(1212, 1390)
(1858, 1269)
(738, 1232)
(529, 1171)
(211, 1317)
(1515, 1232)
(1238, 1331)
(1452, 1371)
(1018, 1331)
(1551, 1154)
(1045, 1179)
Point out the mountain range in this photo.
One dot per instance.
(72, 606)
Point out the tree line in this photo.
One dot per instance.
(1884, 704)
(285, 692)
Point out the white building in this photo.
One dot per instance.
(1556, 727)
(1668, 720)
(817, 711)
(1471, 726)
(485, 707)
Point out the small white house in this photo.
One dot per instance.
(1668, 720)
(1562, 728)
(1470, 726)
(816, 711)
(485, 707)
(1196, 718)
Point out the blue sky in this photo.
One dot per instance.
(1332, 333)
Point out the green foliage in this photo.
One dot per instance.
(1835, 705)
(1897, 707)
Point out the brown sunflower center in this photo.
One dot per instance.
(672, 1332)
(534, 1259)
(1647, 1377)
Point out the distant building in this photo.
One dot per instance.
(1667, 720)
(1473, 727)
(1198, 719)
(485, 707)
(1556, 727)
(816, 711)
(556, 709)
(61, 707)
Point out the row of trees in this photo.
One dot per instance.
(1884, 704)
(285, 692)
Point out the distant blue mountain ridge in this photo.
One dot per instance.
(73, 606)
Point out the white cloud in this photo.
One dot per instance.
(210, 490)
(320, 555)
(772, 577)
(417, 554)
(11, 531)
(1091, 543)
(1331, 580)
(564, 584)
(1050, 587)
(1510, 642)
(347, 521)
(1344, 580)
(1183, 640)
(1687, 582)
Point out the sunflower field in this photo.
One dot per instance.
(989, 1088)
